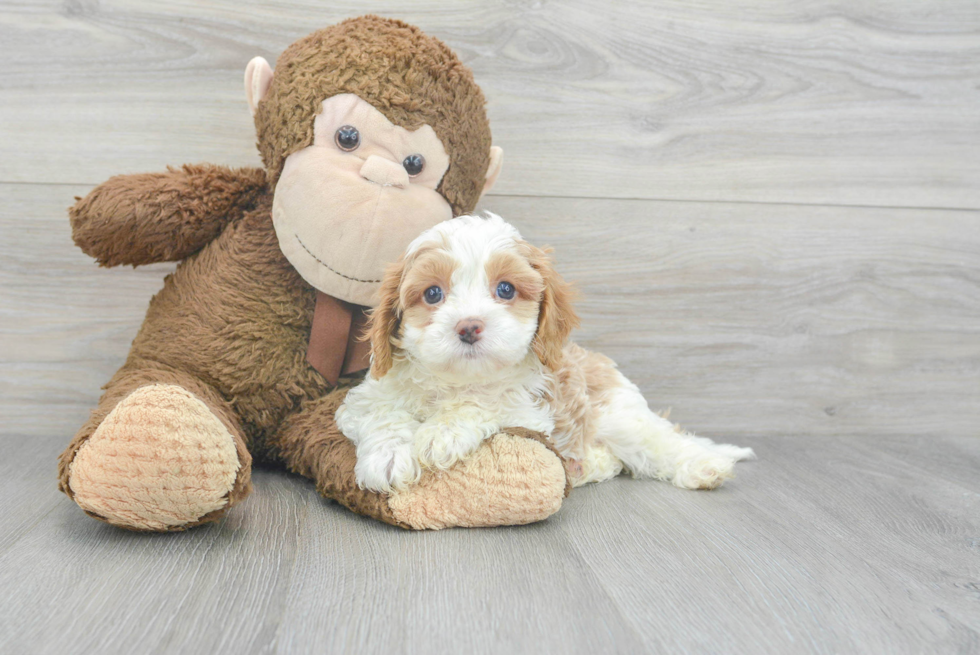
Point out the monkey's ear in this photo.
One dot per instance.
(258, 77)
(493, 170)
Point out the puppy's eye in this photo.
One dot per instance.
(433, 295)
(414, 164)
(348, 138)
(505, 291)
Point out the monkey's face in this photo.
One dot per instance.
(351, 202)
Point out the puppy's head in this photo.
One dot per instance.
(470, 297)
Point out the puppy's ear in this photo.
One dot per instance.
(385, 319)
(556, 316)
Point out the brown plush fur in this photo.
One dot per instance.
(157, 217)
(411, 78)
(310, 444)
(232, 323)
(251, 373)
(194, 326)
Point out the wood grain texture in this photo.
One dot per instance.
(841, 342)
(824, 545)
(745, 319)
(778, 319)
(811, 101)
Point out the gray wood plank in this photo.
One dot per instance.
(28, 484)
(745, 319)
(826, 545)
(508, 590)
(823, 545)
(848, 335)
(808, 101)
(777, 319)
(83, 586)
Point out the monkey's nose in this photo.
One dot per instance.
(469, 330)
(384, 172)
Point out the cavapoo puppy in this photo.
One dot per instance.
(471, 336)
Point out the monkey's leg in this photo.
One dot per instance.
(516, 477)
(161, 452)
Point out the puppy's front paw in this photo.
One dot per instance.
(387, 468)
(439, 446)
(704, 472)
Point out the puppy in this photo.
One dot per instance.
(471, 336)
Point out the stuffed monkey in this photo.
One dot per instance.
(370, 132)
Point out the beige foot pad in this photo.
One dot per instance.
(508, 481)
(159, 460)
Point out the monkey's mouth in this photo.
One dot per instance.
(330, 268)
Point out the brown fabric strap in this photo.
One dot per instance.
(334, 348)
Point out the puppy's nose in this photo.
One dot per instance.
(384, 172)
(469, 330)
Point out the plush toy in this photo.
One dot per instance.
(370, 132)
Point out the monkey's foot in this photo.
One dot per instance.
(511, 479)
(160, 461)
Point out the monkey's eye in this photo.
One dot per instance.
(505, 291)
(348, 138)
(433, 295)
(414, 164)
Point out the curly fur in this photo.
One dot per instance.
(411, 78)
(437, 392)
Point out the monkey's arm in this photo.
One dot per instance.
(513, 478)
(157, 217)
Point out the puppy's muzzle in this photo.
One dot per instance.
(469, 330)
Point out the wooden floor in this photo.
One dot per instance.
(826, 545)
(773, 214)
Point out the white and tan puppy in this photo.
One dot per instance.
(471, 336)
